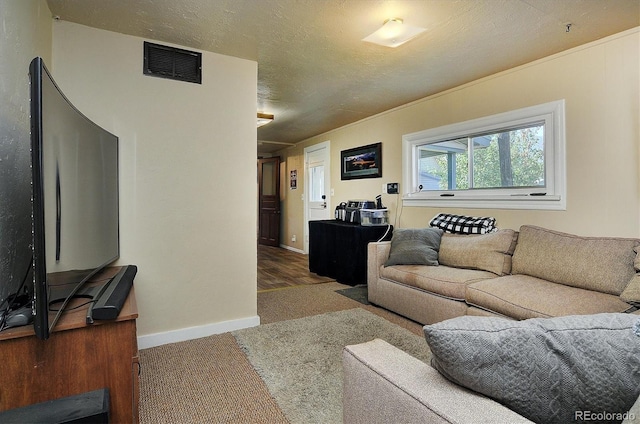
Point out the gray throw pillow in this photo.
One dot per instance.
(551, 370)
(414, 246)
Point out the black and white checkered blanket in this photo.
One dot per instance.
(460, 224)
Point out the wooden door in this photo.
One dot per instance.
(269, 201)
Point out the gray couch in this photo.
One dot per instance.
(533, 273)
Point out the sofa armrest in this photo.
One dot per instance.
(383, 384)
(377, 255)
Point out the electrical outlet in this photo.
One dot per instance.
(392, 188)
(293, 238)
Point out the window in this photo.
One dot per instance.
(513, 160)
(316, 180)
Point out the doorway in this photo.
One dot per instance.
(269, 201)
(317, 196)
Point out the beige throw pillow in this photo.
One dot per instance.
(487, 252)
(631, 293)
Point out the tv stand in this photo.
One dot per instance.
(77, 358)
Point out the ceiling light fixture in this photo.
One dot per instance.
(264, 118)
(393, 33)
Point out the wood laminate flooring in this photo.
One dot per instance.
(278, 268)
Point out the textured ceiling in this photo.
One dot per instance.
(315, 73)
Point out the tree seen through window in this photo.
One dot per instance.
(508, 158)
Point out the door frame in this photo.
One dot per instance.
(327, 178)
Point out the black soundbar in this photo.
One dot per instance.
(112, 296)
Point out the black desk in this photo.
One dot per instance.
(339, 249)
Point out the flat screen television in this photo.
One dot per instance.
(74, 169)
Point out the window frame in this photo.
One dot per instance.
(551, 197)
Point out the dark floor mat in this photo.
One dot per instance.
(357, 293)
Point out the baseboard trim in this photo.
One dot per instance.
(190, 333)
(293, 249)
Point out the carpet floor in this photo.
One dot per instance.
(300, 360)
(207, 380)
(211, 380)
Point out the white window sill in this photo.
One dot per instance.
(547, 202)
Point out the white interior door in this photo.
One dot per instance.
(317, 186)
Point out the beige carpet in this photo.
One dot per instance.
(302, 301)
(207, 380)
(210, 380)
(300, 360)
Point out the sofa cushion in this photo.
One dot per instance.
(523, 296)
(460, 224)
(544, 369)
(418, 246)
(441, 280)
(634, 414)
(603, 264)
(488, 252)
(631, 293)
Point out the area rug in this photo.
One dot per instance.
(300, 360)
(357, 293)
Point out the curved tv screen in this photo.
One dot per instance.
(75, 197)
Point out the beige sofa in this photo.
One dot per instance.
(532, 273)
(383, 384)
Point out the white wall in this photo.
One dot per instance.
(188, 172)
(25, 34)
(600, 83)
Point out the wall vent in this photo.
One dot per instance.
(170, 62)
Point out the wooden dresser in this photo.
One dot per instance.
(76, 358)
